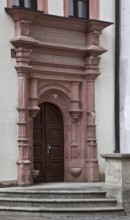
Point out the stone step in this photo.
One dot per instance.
(67, 200)
(54, 194)
(57, 203)
(60, 212)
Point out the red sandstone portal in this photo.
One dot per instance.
(57, 62)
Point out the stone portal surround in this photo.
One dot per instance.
(94, 6)
(52, 69)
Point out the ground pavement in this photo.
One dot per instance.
(62, 218)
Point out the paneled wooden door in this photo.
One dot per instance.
(48, 144)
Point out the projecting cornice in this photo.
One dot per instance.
(39, 18)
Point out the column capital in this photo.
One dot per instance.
(92, 70)
(92, 61)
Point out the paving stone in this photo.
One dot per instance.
(63, 218)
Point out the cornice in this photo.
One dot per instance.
(39, 18)
(90, 50)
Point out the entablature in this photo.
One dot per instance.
(47, 43)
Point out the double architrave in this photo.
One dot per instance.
(47, 35)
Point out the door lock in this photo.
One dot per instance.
(49, 148)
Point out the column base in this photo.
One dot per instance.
(24, 173)
(92, 171)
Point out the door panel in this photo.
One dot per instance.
(48, 142)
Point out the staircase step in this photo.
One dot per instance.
(68, 200)
(57, 203)
(35, 211)
(47, 194)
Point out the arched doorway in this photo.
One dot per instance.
(48, 144)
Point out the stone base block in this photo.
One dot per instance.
(117, 178)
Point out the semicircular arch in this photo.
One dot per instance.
(60, 88)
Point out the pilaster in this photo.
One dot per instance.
(75, 113)
(24, 163)
(92, 71)
(33, 97)
(42, 5)
(24, 171)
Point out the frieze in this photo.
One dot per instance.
(58, 70)
(78, 25)
(57, 35)
(47, 58)
(58, 51)
(55, 76)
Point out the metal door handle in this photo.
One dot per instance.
(49, 148)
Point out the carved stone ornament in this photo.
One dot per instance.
(76, 171)
(96, 35)
(75, 114)
(33, 111)
(25, 27)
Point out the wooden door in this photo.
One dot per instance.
(48, 140)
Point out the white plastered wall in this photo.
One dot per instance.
(105, 87)
(8, 100)
(125, 77)
(56, 7)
